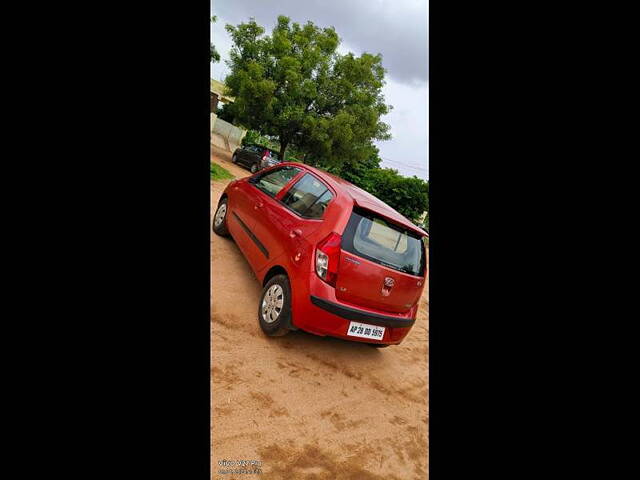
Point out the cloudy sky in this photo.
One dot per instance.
(397, 29)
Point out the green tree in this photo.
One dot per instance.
(408, 195)
(225, 112)
(214, 56)
(293, 85)
(356, 171)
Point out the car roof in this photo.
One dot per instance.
(362, 198)
(261, 146)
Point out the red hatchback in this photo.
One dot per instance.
(332, 258)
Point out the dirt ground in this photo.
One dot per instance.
(308, 407)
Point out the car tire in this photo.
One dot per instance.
(275, 316)
(379, 345)
(254, 167)
(234, 158)
(220, 219)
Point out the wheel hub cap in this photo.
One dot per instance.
(272, 303)
(220, 214)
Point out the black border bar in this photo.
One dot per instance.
(360, 315)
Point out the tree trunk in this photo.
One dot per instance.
(284, 142)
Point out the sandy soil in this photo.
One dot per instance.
(309, 407)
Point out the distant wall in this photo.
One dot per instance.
(231, 134)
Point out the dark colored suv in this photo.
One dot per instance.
(255, 157)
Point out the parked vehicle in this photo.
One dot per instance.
(332, 259)
(255, 157)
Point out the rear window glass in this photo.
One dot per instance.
(375, 239)
(271, 183)
(308, 197)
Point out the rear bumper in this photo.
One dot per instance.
(361, 315)
(317, 310)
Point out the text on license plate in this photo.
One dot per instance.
(364, 330)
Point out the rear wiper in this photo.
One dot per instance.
(395, 267)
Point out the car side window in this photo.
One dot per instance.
(309, 197)
(272, 182)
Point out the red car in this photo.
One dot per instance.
(332, 258)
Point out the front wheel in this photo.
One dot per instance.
(274, 309)
(220, 219)
(254, 168)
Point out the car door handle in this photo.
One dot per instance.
(295, 233)
(258, 205)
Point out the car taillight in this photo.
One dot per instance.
(328, 258)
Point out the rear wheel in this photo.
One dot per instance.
(234, 158)
(254, 167)
(220, 219)
(274, 309)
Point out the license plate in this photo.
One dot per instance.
(364, 330)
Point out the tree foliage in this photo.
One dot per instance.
(294, 90)
(214, 56)
(408, 195)
(294, 86)
(356, 172)
(224, 112)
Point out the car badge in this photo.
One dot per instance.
(387, 286)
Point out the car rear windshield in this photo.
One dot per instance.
(370, 236)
